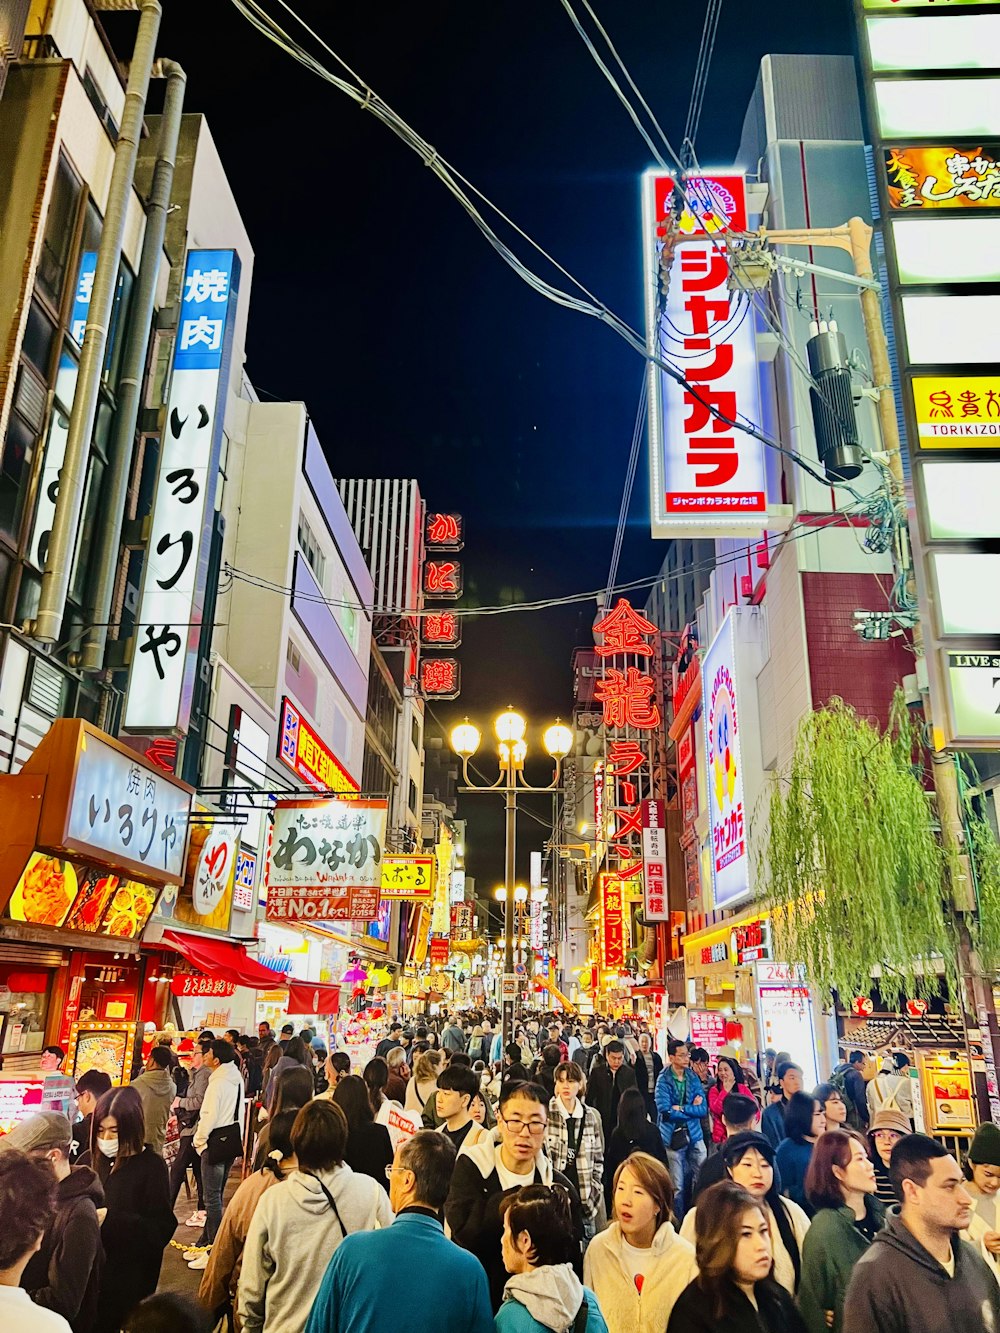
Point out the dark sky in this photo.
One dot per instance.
(418, 352)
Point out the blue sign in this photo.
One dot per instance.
(201, 329)
(82, 295)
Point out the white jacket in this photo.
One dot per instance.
(292, 1238)
(223, 1093)
(625, 1309)
(784, 1267)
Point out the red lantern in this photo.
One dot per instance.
(916, 1008)
(862, 1006)
(734, 1032)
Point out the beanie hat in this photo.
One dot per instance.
(734, 1148)
(890, 1119)
(984, 1149)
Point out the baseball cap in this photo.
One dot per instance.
(47, 1129)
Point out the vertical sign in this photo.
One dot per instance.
(655, 905)
(706, 477)
(727, 817)
(164, 661)
(612, 922)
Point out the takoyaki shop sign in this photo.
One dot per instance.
(84, 797)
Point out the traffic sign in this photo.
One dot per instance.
(509, 990)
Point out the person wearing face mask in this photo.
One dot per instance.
(982, 1175)
(139, 1219)
(574, 1140)
(64, 1275)
(749, 1160)
(735, 1290)
(639, 1266)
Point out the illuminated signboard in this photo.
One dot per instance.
(727, 814)
(325, 860)
(409, 878)
(440, 678)
(612, 921)
(444, 532)
(440, 629)
(957, 411)
(656, 906)
(706, 478)
(443, 579)
(962, 176)
(305, 754)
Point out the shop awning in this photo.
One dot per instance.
(224, 959)
(308, 997)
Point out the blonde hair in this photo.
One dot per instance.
(428, 1066)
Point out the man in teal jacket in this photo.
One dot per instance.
(358, 1293)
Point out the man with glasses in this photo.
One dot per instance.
(90, 1087)
(491, 1168)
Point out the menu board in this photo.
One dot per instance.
(947, 1089)
(106, 1047)
(45, 892)
(53, 892)
(24, 1095)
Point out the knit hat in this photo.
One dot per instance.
(887, 1118)
(734, 1148)
(984, 1150)
(47, 1129)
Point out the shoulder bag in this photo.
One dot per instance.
(225, 1142)
(330, 1200)
(680, 1139)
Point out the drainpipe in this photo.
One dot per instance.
(133, 364)
(55, 581)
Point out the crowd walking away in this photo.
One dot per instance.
(590, 1175)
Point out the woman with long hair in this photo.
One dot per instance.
(369, 1147)
(542, 1294)
(139, 1220)
(639, 1266)
(632, 1133)
(840, 1184)
(805, 1121)
(735, 1290)
(296, 1056)
(293, 1088)
(221, 1277)
(729, 1077)
(424, 1080)
(376, 1076)
(749, 1161)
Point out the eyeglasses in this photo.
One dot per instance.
(518, 1126)
(389, 1170)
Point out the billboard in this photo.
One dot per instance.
(728, 830)
(325, 860)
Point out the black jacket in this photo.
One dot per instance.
(65, 1274)
(80, 1143)
(139, 1224)
(619, 1146)
(642, 1076)
(775, 1313)
(369, 1150)
(604, 1088)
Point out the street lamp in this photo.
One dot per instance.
(512, 749)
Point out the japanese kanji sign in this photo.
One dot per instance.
(443, 579)
(440, 952)
(440, 678)
(444, 532)
(611, 892)
(440, 629)
(627, 697)
(966, 177)
(957, 411)
(189, 984)
(325, 860)
(706, 476)
(624, 630)
(410, 878)
(168, 628)
(306, 754)
(656, 906)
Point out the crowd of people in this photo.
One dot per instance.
(572, 1181)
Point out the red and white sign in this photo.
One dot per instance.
(707, 477)
(612, 922)
(189, 984)
(685, 753)
(321, 904)
(862, 1006)
(440, 952)
(916, 1008)
(307, 755)
(708, 1030)
(656, 906)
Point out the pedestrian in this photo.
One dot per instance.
(293, 1090)
(220, 1280)
(221, 1110)
(167, 1312)
(735, 1290)
(424, 1080)
(834, 1106)
(589, 1051)
(890, 1090)
(805, 1121)
(680, 1104)
(609, 1076)
(848, 1076)
(728, 1079)
(489, 1168)
(358, 1295)
(157, 1090)
(982, 1175)
(399, 1075)
(574, 1140)
(368, 1150)
(295, 1054)
(389, 1041)
(65, 1273)
(545, 1067)
(749, 1161)
(701, 1068)
(772, 1124)
(187, 1109)
(27, 1206)
(478, 1043)
(633, 1133)
(887, 1128)
(297, 1227)
(457, 1086)
(648, 1067)
(847, 1216)
(639, 1266)
(543, 1294)
(740, 1115)
(453, 1038)
(917, 1276)
(90, 1088)
(139, 1219)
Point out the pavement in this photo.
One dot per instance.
(175, 1274)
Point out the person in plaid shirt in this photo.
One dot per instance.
(574, 1140)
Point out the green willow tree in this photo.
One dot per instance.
(857, 881)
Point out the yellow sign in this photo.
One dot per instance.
(410, 878)
(957, 411)
(947, 1091)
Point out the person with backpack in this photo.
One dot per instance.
(848, 1078)
(218, 1134)
(890, 1089)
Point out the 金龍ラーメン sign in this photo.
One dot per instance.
(612, 899)
(325, 860)
(305, 754)
(409, 878)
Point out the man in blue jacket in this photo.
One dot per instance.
(680, 1105)
(358, 1293)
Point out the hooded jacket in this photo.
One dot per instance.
(157, 1090)
(220, 1280)
(292, 1237)
(547, 1300)
(898, 1287)
(626, 1309)
(65, 1274)
(189, 1106)
(222, 1104)
(472, 1209)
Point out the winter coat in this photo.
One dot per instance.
(139, 1223)
(784, 1265)
(220, 1280)
(833, 1245)
(775, 1313)
(293, 1234)
(189, 1106)
(157, 1090)
(80, 1143)
(716, 1096)
(271, 1085)
(897, 1287)
(689, 1117)
(222, 1104)
(547, 1300)
(65, 1274)
(369, 1151)
(626, 1309)
(620, 1146)
(589, 1163)
(792, 1160)
(641, 1069)
(772, 1123)
(453, 1038)
(472, 1209)
(604, 1089)
(977, 1230)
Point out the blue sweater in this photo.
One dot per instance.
(362, 1291)
(792, 1160)
(513, 1317)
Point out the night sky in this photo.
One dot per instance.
(418, 351)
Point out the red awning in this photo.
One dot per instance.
(224, 959)
(308, 997)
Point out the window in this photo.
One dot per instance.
(416, 733)
(60, 225)
(413, 796)
(97, 101)
(292, 656)
(310, 549)
(349, 620)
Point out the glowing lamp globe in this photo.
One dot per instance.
(510, 727)
(558, 740)
(519, 750)
(465, 739)
(520, 894)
